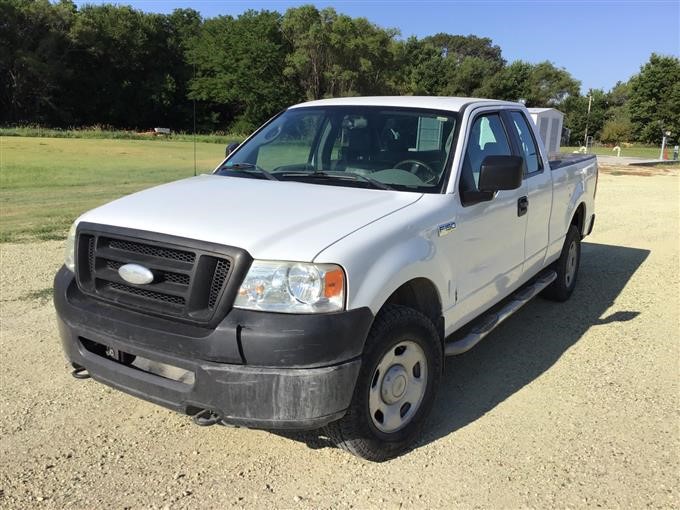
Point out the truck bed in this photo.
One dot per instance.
(561, 160)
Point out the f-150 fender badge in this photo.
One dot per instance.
(447, 228)
(136, 274)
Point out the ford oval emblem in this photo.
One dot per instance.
(136, 274)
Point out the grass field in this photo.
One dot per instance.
(635, 151)
(45, 183)
(112, 134)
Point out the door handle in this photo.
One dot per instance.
(522, 206)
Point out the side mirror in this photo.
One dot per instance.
(231, 148)
(501, 173)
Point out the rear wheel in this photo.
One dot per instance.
(566, 267)
(400, 372)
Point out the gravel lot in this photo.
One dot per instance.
(567, 405)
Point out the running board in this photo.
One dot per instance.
(487, 323)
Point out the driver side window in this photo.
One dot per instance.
(487, 138)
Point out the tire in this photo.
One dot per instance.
(391, 381)
(566, 267)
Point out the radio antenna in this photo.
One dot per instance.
(194, 108)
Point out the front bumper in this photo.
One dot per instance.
(256, 369)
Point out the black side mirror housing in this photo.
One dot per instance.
(501, 173)
(231, 148)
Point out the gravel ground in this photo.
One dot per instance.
(567, 405)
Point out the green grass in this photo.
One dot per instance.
(634, 151)
(45, 183)
(112, 134)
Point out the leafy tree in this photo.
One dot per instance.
(550, 85)
(114, 65)
(459, 47)
(421, 68)
(360, 57)
(335, 55)
(511, 83)
(655, 99)
(128, 68)
(447, 64)
(619, 94)
(33, 42)
(467, 76)
(183, 25)
(239, 68)
(617, 127)
(540, 85)
(575, 109)
(617, 130)
(307, 31)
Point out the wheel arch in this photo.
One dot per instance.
(578, 218)
(422, 295)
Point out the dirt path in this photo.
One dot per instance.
(566, 405)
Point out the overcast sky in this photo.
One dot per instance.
(598, 42)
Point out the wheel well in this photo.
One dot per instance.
(420, 294)
(578, 220)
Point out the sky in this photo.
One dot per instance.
(599, 42)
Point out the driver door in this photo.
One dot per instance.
(489, 240)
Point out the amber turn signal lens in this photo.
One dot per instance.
(334, 282)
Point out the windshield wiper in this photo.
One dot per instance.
(249, 167)
(338, 175)
(377, 184)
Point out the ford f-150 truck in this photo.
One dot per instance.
(319, 276)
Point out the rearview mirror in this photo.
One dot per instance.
(501, 173)
(231, 148)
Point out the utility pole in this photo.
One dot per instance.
(590, 103)
(666, 134)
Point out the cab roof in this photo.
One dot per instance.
(453, 104)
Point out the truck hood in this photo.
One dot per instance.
(269, 219)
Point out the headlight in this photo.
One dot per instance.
(292, 287)
(70, 256)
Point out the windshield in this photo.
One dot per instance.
(358, 146)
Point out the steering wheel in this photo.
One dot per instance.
(418, 168)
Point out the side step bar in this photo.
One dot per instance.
(487, 323)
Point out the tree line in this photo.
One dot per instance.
(63, 66)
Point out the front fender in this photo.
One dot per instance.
(392, 269)
(384, 255)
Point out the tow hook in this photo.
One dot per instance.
(80, 373)
(206, 417)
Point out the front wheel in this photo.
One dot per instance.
(399, 375)
(566, 268)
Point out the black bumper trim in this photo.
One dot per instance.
(268, 398)
(301, 369)
(257, 338)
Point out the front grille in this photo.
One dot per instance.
(154, 251)
(219, 277)
(182, 279)
(159, 276)
(192, 281)
(149, 294)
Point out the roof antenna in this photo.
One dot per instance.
(194, 107)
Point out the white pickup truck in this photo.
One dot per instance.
(318, 277)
